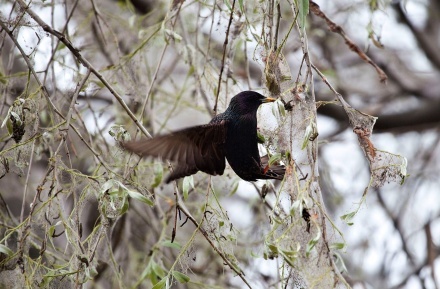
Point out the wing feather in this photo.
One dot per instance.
(195, 148)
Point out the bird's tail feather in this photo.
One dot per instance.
(274, 171)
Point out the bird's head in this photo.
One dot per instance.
(248, 102)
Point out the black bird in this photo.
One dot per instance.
(232, 134)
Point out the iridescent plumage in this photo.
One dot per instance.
(231, 135)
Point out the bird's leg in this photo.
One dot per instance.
(266, 169)
(260, 138)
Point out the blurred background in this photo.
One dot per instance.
(164, 59)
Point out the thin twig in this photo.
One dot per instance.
(159, 64)
(396, 224)
(225, 44)
(345, 104)
(277, 27)
(270, 22)
(23, 204)
(44, 90)
(84, 62)
(353, 47)
(206, 235)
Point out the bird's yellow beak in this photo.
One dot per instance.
(268, 99)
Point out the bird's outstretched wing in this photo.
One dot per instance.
(193, 149)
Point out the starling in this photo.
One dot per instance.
(231, 134)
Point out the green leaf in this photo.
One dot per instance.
(140, 197)
(182, 278)
(289, 256)
(16, 117)
(9, 126)
(161, 284)
(106, 186)
(403, 171)
(61, 46)
(338, 246)
(281, 107)
(60, 266)
(112, 204)
(187, 182)
(340, 263)
(158, 175)
(7, 117)
(46, 279)
(228, 4)
(273, 248)
(124, 207)
(234, 188)
(173, 35)
(174, 245)
(260, 138)
(133, 194)
(347, 218)
(148, 271)
(307, 134)
(91, 272)
(274, 159)
(3, 79)
(402, 181)
(240, 3)
(277, 220)
(51, 231)
(191, 70)
(158, 270)
(296, 206)
(403, 166)
(6, 250)
(303, 11)
(255, 255)
(311, 244)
